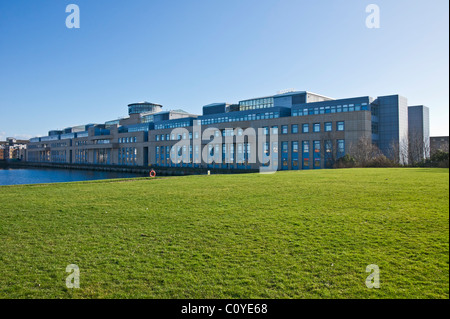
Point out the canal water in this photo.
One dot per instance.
(39, 175)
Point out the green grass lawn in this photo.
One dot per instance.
(304, 234)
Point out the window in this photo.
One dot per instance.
(305, 128)
(305, 154)
(317, 159)
(316, 127)
(340, 148)
(316, 146)
(328, 126)
(340, 126)
(266, 130)
(284, 129)
(275, 130)
(294, 129)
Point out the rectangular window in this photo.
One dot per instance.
(340, 148)
(275, 130)
(328, 126)
(295, 129)
(305, 128)
(284, 129)
(305, 154)
(316, 127)
(340, 126)
(284, 146)
(317, 159)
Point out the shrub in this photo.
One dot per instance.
(438, 159)
(381, 161)
(346, 161)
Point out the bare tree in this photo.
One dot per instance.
(364, 151)
(398, 152)
(330, 148)
(418, 148)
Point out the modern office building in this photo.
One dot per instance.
(419, 133)
(309, 131)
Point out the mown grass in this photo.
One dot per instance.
(305, 234)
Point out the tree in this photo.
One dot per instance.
(364, 151)
(419, 148)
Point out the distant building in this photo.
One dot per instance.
(419, 133)
(13, 149)
(312, 132)
(439, 143)
(2, 150)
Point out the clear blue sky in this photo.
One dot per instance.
(189, 53)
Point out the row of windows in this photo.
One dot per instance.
(328, 127)
(330, 109)
(102, 156)
(316, 128)
(243, 151)
(59, 144)
(123, 140)
(102, 141)
(173, 137)
(246, 148)
(247, 117)
(58, 156)
(172, 125)
(128, 156)
(256, 104)
(81, 156)
(138, 128)
(147, 119)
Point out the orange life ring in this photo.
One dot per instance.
(152, 173)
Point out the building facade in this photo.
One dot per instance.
(439, 143)
(13, 149)
(419, 133)
(293, 131)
